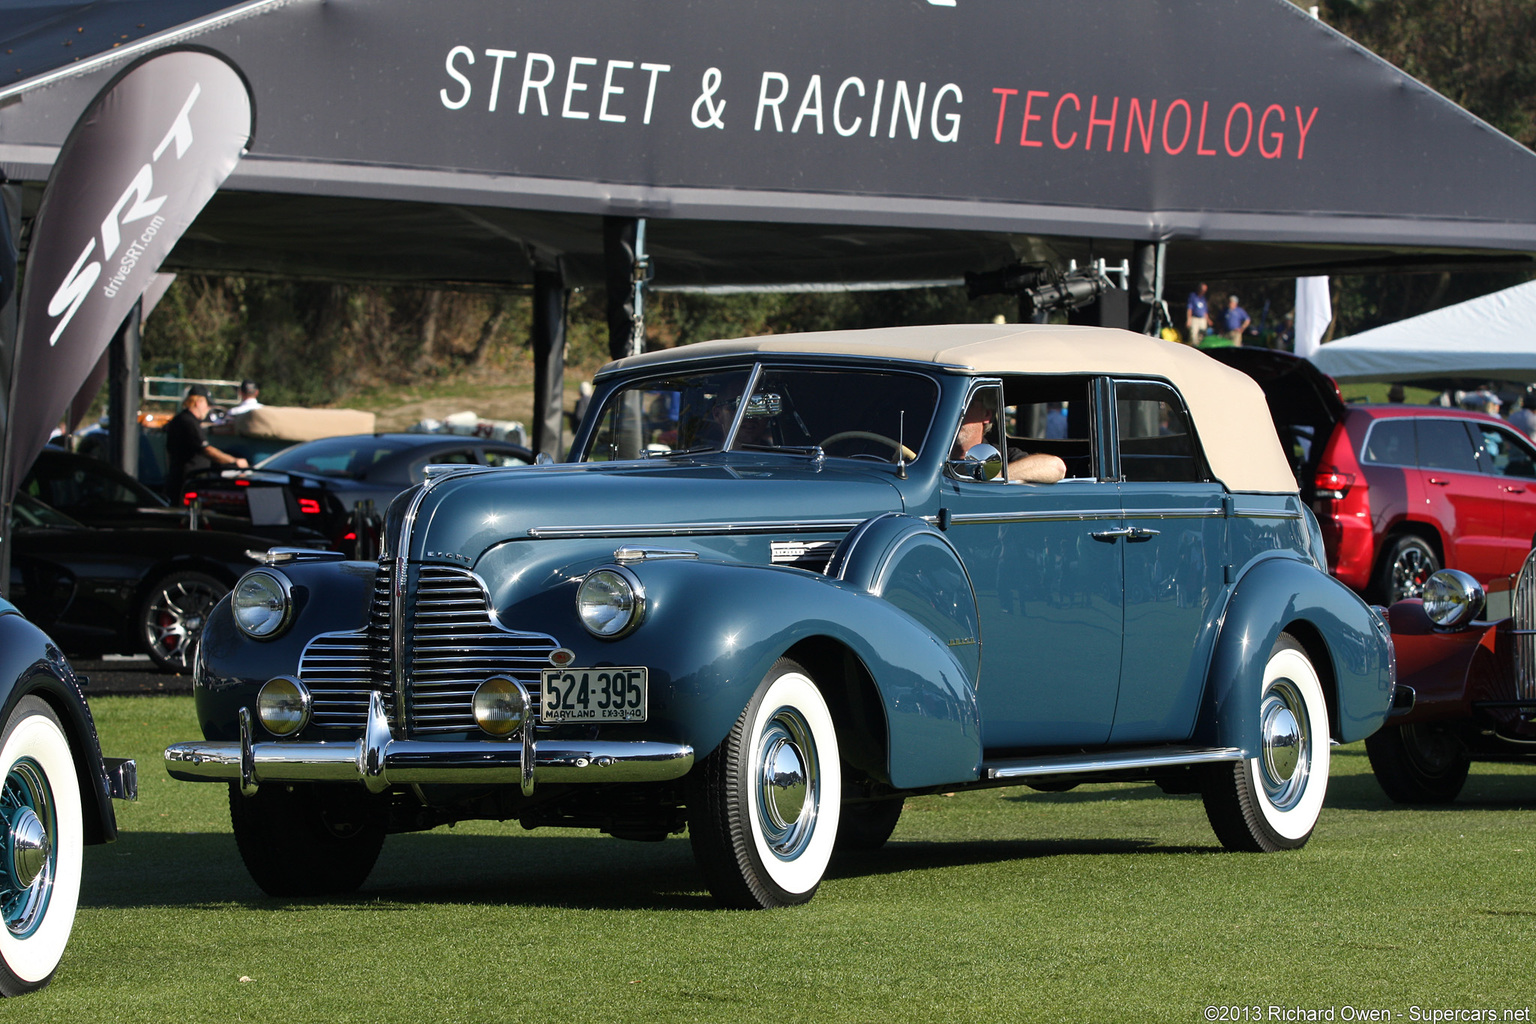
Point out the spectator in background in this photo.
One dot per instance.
(1235, 320)
(1197, 314)
(1396, 395)
(1523, 416)
(248, 399)
(187, 451)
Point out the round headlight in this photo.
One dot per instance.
(283, 705)
(611, 602)
(501, 706)
(1452, 598)
(261, 603)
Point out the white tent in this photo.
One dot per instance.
(1492, 337)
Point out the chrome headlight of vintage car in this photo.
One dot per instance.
(262, 604)
(611, 602)
(1452, 598)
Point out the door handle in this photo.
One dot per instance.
(1112, 535)
(1515, 490)
(1438, 482)
(1140, 533)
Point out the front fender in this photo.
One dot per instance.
(1437, 664)
(714, 629)
(328, 597)
(1347, 644)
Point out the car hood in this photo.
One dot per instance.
(464, 515)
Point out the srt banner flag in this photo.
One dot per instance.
(139, 165)
(1314, 312)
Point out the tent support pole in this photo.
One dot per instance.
(548, 362)
(123, 393)
(10, 302)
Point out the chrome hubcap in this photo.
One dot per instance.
(1283, 761)
(27, 854)
(788, 784)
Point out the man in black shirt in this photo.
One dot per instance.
(187, 450)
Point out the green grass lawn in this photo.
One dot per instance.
(1105, 903)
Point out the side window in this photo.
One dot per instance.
(1157, 442)
(1503, 453)
(1391, 443)
(1051, 415)
(1445, 444)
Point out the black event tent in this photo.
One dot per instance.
(773, 143)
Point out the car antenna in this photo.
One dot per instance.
(901, 446)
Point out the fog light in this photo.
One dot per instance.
(283, 705)
(1452, 598)
(501, 706)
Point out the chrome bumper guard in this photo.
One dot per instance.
(380, 761)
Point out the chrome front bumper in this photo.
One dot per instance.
(380, 761)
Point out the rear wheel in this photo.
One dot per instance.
(764, 808)
(1405, 569)
(867, 824)
(308, 840)
(172, 616)
(1272, 801)
(42, 840)
(1418, 764)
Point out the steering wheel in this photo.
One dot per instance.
(870, 435)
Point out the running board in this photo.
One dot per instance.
(1107, 761)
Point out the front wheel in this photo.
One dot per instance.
(764, 807)
(1418, 764)
(1272, 801)
(307, 839)
(172, 616)
(42, 839)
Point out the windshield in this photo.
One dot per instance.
(334, 456)
(870, 414)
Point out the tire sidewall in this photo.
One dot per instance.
(790, 687)
(1291, 826)
(34, 732)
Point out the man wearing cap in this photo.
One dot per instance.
(187, 450)
(248, 400)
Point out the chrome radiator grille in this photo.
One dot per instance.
(452, 644)
(1525, 622)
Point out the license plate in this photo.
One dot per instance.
(616, 694)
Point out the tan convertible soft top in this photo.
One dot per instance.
(1229, 410)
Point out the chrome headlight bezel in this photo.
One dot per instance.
(284, 705)
(610, 602)
(1452, 598)
(252, 615)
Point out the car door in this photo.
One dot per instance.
(1048, 594)
(1173, 549)
(1466, 502)
(1508, 457)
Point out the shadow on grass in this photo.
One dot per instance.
(157, 869)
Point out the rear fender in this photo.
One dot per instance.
(1350, 650)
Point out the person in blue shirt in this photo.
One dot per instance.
(1235, 320)
(1197, 312)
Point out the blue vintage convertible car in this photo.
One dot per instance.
(788, 581)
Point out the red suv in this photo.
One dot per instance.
(1400, 490)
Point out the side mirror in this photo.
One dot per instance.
(982, 462)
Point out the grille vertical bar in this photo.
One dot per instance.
(1525, 620)
(453, 642)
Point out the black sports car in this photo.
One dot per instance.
(321, 484)
(122, 590)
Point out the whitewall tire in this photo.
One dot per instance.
(41, 846)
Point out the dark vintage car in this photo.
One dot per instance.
(122, 590)
(319, 485)
(790, 581)
(1467, 658)
(56, 798)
